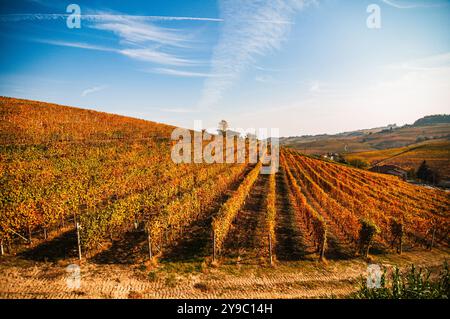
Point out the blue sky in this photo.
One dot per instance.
(305, 67)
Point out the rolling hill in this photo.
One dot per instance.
(371, 139)
(79, 184)
(435, 152)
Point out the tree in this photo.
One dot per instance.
(367, 233)
(425, 173)
(358, 163)
(223, 127)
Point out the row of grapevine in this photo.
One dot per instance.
(421, 222)
(181, 212)
(222, 221)
(348, 188)
(120, 215)
(271, 214)
(44, 187)
(343, 219)
(316, 224)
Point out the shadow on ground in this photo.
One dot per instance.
(129, 249)
(58, 248)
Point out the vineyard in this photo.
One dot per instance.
(435, 152)
(89, 182)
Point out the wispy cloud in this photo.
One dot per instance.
(182, 73)
(100, 17)
(133, 32)
(150, 55)
(78, 45)
(265, 79)
(415, 4)
(152, 40)
(142, 41)
(315, 87)
(245, 35)
(264, 69)
(177, 110)
(432, 62)
(93, 90)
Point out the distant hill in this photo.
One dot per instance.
(433, 119)
(381, 138)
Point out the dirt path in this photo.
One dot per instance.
(130, 249)
(20, 278)
(247, 240)
(291, 235)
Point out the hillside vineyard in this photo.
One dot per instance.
(105, 177)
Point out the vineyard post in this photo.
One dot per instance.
(214, 244)
(393, 242)
(149, 239)
(366, 253)
(322, 250)
(432, 238)
(1, 247)
(8, 245)
(30, 238)
(78, 241)
(74, 218)
(270, 249)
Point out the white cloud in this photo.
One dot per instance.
(78, 45)
(265, 79)
(177, 110)
(141, 41)
(415, 4)
(246, 34)
(150, 55)
(437, 61)
(99, 17)
(130, 31)
(182, 73)
(93, 90)
(148, 37)
(315, 87)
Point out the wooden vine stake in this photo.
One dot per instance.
(322, 251)
(30, 237)
(149, 240)
(74, 219)
(2, 251)
(270, 250)
(214, 245)
(433, 237)
(79, 241)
